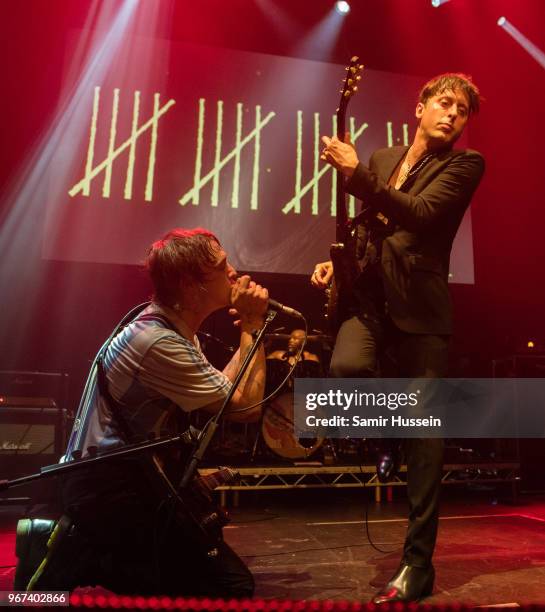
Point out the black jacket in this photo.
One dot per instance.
(426, 213)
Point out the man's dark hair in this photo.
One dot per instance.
(452, 81)
(180, 257)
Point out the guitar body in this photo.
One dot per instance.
(343, 251)
(195, 507)
(209, 516)
(340, 291)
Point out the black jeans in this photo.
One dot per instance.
(139, 545)
(371, 347)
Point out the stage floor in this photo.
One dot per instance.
(313, 545)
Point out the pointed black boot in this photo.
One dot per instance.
(409, 583)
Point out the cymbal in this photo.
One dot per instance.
(323, 341)
(319, 337)
(277, 336)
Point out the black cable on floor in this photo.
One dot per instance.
(366, 522)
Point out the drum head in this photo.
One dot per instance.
(278, 431)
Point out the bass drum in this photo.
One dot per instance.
(278, 431)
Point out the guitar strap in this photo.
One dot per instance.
(102, 381)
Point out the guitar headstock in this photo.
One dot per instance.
(350, 87)
(350, 83)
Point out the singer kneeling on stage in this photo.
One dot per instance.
(124, 532)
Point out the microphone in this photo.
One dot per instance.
(287, 310)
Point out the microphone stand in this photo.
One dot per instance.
(124, 451)
(210, 428)
(202, 523)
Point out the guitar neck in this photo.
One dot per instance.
(349, 88)
(342, 229)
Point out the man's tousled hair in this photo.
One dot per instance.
(179, 258)
(452, 81)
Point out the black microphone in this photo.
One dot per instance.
(291, 312)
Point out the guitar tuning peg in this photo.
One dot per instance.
(350, 82)
(358, 78)
(355, 88)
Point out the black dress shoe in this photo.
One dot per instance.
(387, 465)
(407, 584)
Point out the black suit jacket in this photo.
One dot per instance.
(426, 213)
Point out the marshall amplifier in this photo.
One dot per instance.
(32, 430)
(32, 434)
(17, 383)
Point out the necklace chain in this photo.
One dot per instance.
(407, 167)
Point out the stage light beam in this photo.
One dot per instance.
(438, 3)
(524, 42)
(321, 40)
(22, 220)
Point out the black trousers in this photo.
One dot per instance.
(375, 346)
(135, 543)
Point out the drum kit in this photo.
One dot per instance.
(275, 439)
(277, 420)
(277, 423)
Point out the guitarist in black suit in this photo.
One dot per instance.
(414, 199)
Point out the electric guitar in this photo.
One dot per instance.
(343, 250)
